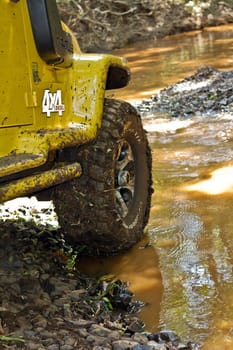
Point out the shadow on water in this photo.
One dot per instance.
(186, 277)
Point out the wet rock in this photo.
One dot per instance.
(39, 322)
(135, 325)
(152, 345)
(58, 287)
(30, 334)
(83, 333)
(66, 347)
(165, 336)
(104, 332)
(124, 345)
(98, 340)
(60, 302)
(80, 323)
(76, 295)
(48, 341)
(34, 346)
(42, 304)
(70, 341)
(140, 338)
(24, 324)
(53, 347)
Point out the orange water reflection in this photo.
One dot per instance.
(219, 181)
(191, 227)
(143, 275)
(166, 61)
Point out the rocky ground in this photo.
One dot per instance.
(207, 92)
(46, 303)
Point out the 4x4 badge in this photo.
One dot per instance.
(52, 102)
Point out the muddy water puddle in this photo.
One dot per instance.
(183, 269)
(191, 228)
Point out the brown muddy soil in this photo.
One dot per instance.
(46, 303)
(106, 25)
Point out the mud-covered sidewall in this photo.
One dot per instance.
(86, 207)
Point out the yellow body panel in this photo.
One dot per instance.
(14, 77)
(44, 107)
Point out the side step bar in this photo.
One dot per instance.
(19, 162)
(35, 183)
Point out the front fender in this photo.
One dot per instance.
(93, 74)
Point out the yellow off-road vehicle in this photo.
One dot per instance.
(61, 138)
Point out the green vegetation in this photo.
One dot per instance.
(4, 338)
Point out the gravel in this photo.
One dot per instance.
(206, 93)
(47, 303)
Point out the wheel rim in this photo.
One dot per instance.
(124, 178)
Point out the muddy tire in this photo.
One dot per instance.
(108, 207)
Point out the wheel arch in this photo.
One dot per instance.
(117, 77)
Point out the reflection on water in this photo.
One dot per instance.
(193, 209)
(219, 181)
(144, 276)
(166, 61)
(186, 277)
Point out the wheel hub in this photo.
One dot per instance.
(124, 178)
